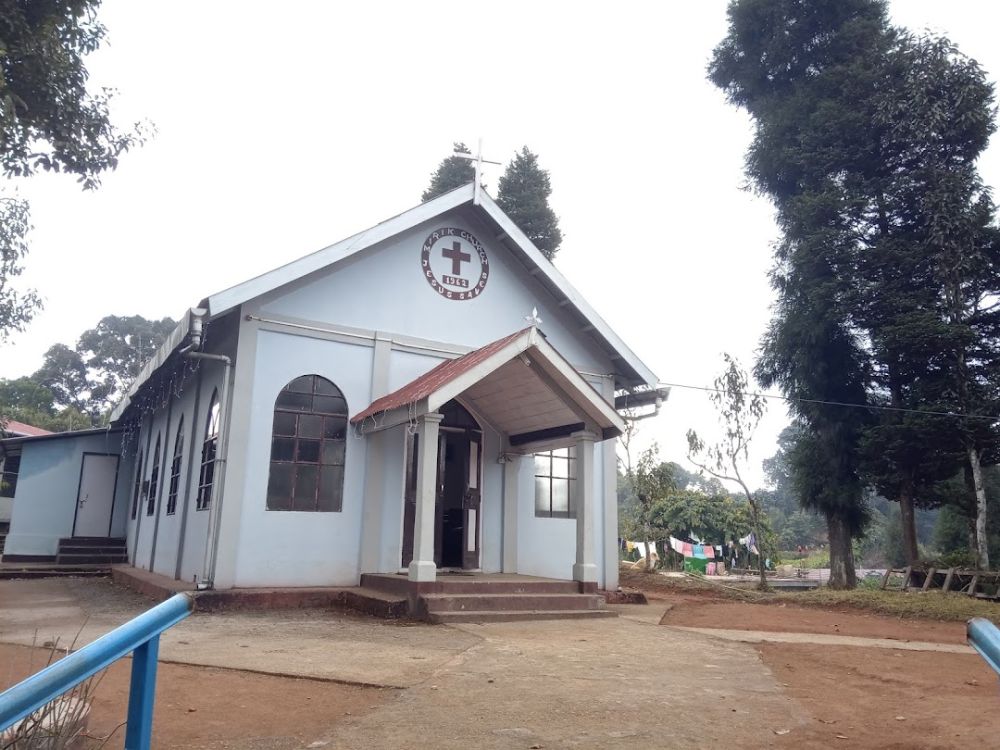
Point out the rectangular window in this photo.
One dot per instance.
(9, 467)
(555, 483)
(175, 482)
(207, 474)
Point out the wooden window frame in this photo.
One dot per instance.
(308, 445)
(209, 452)
(137, 485)
(175, 469)
(154, 480)
(570, 480)
(8, 486)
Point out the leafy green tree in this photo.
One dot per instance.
(452, 172)
(49, 120)
(94, 376)
(739, 412)
(523, 194)
(17, 308)
(116, 349)
(652, 481)
(64, 374)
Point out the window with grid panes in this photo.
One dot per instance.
(308, 445)
(137, 488)
(9, 468)
(175, 469)
(210, 446)
(154, 480)
(555, 483)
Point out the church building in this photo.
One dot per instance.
(427, 397)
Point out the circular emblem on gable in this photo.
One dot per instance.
(454, 263)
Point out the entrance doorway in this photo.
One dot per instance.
(458, 497)
(95, 498)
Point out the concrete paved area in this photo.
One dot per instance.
(302, 643)
(621, 682)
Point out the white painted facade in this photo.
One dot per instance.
(368, 321)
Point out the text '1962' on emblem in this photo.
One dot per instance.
(454, 263)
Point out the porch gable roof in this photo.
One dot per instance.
(519, 383)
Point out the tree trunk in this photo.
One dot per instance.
(842, 575)
(909, 523)
(982, 546)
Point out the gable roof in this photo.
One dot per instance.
(520, 384)
(432, 380)
(630, 369)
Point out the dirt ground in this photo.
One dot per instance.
(861, 697)
(634, 681)
(262, 711)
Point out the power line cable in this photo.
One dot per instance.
(845, 404)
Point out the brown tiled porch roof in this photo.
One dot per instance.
(431, 381)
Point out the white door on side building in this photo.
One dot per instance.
(96, 497)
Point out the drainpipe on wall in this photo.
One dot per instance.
(192, 351)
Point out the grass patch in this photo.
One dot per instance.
(930, 605)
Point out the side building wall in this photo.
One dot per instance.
(45, 501)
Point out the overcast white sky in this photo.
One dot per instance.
(282, 132)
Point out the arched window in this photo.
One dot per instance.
(154, 480)
(209, 448)
(138, 486)
(308, 443)
(175, 468)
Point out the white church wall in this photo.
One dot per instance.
(145, 522)
(491, 531)
(547, 546)
(384, 289)
(195, 521)
(393, 487)
(132, 524)
(168, 526)
(289, 548)
(47, 485)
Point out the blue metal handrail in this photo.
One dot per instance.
(140, 636)
(984, 636)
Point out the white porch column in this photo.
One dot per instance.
(585, 570)
(422, 568)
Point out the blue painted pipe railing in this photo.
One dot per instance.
(984, 636)
(139, 636)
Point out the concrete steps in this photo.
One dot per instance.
(445, 618)
(489, 597)
(91, 550)
(534, 602)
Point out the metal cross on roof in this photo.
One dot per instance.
(478, 160)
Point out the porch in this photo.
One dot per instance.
(522, 390)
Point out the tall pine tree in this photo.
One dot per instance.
(523, 194)
(804, 72)
(866, 141)
(452, 172)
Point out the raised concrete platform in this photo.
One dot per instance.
(451, 598)
(159, 587)
(17, 570)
